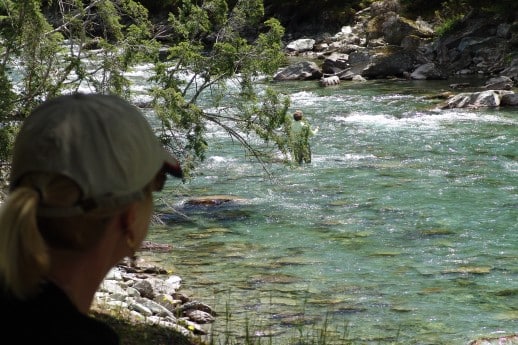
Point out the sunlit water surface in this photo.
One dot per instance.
(403, 229)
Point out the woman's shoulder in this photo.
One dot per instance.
(50, 318)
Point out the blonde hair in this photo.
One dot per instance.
(25, 238)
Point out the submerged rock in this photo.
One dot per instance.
(213, 200)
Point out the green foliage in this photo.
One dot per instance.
(157, 7)
(450, 16)
(7, 133)
(450, 13)
(90, 45)
(207, 55)
(50, 67)
(448, 25)
(36, 59)
(28, 37)
(7, 95)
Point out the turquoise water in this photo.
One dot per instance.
(403, 229)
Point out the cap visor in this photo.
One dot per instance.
(171, 165)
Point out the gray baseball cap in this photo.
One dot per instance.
(101, 142)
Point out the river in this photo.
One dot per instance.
(402, 230)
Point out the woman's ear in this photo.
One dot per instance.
(127, 219)
(128, 216)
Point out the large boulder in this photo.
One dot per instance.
(490, 98)
(478, 46)
(335, 63)
(389, 63)
(499, 83)
(304, 70)
(301, 45)
(395, 28)
(427, 71)
(512, 70)
(509, 99)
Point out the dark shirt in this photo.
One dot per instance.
(50, 318)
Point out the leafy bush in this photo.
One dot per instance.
(449, 25)
(51, 50)
(450, 16)
(7, 134)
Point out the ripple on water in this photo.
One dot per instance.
(403, 228)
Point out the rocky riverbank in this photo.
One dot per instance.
(143, 292)
(382, 44)
(148, 294)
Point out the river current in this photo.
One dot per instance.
(402, 230)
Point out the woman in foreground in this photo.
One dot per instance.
(83, 172)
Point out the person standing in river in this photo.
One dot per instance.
(83, 172)
(299, 134)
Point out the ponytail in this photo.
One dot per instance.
(24, 257)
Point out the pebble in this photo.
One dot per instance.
(150, 296)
